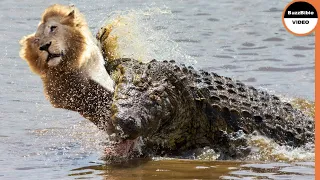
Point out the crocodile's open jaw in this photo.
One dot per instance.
(119, 150)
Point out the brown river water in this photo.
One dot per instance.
(244, 40)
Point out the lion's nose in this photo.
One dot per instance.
(45, 47)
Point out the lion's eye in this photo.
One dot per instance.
(52, 28)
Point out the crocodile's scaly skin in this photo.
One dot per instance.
(176, 108)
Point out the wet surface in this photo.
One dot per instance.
(244, 40)
(187, 169)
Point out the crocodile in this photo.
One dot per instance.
(169, 108)
(175, 108)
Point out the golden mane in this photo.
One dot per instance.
(30, 54)
(80, 60)
(61, 11)
(66, 15)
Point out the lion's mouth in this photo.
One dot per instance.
(52, 56)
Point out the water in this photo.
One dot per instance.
(244, 40)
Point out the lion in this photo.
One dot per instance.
(170, 107)
(64, 54)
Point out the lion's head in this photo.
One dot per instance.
(66, 56)
(61, 40)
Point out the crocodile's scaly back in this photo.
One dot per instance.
(246, 108)
(175, 108)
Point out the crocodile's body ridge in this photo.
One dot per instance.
(176, 108)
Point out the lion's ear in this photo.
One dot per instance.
(69, 19)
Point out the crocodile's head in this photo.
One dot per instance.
(151, 102)
(150, 106)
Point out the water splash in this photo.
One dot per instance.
(265, 149)
(144, 35)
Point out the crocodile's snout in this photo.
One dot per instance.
(129, 127)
